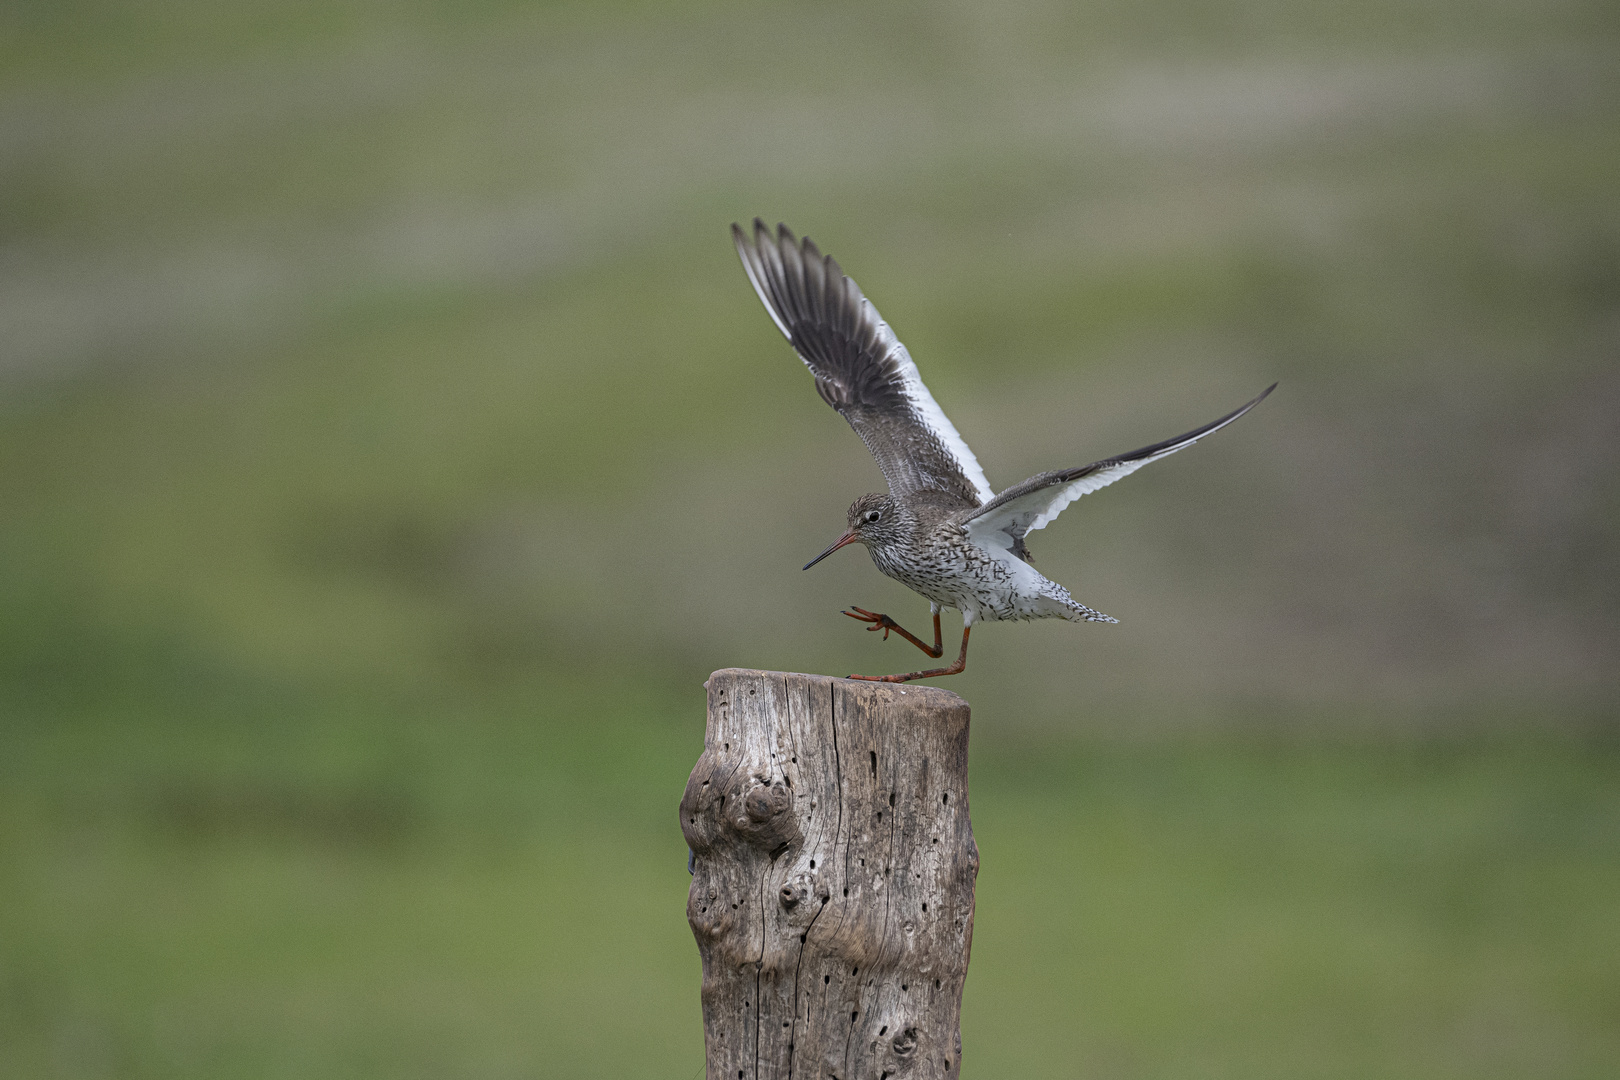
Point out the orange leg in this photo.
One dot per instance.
(885, 624)
(954, 669)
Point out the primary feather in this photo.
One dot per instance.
(861, 369)
(1036, 502)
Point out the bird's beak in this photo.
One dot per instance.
(847, 538)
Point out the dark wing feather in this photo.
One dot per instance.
(861, 369)
(1033, 504)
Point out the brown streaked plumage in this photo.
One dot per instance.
(940, 530)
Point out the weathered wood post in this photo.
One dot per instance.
(834, 863)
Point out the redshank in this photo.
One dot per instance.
(941, 531)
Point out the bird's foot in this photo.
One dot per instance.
(954, 669)
(879, 622)
(886, 624)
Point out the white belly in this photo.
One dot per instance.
(985, 585)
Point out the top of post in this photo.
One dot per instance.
(912, 694)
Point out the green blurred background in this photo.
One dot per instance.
(390, 444)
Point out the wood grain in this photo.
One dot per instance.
(834, 864)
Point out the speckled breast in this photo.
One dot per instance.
(951, 571)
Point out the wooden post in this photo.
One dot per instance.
(832, 891)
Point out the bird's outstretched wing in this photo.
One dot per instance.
(1033, 504)
(861, 368)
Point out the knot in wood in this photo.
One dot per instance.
(799, 888)
(905, 1043)
(763, 803)
(767, 820)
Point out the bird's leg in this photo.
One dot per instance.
(885, 624)
(954, 669)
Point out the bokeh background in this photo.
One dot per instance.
(390, 444)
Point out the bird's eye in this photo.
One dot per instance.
(873, 515)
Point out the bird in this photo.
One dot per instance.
(940, 529)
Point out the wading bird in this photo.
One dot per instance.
(940, 530)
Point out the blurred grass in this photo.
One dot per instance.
(290, 885)
(389, 444)
(274, 886)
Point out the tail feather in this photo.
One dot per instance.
(1078, 612)
(1061, 604)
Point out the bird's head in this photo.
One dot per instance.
(873, 519)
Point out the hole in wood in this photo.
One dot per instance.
(874, 764)
(891, 798)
